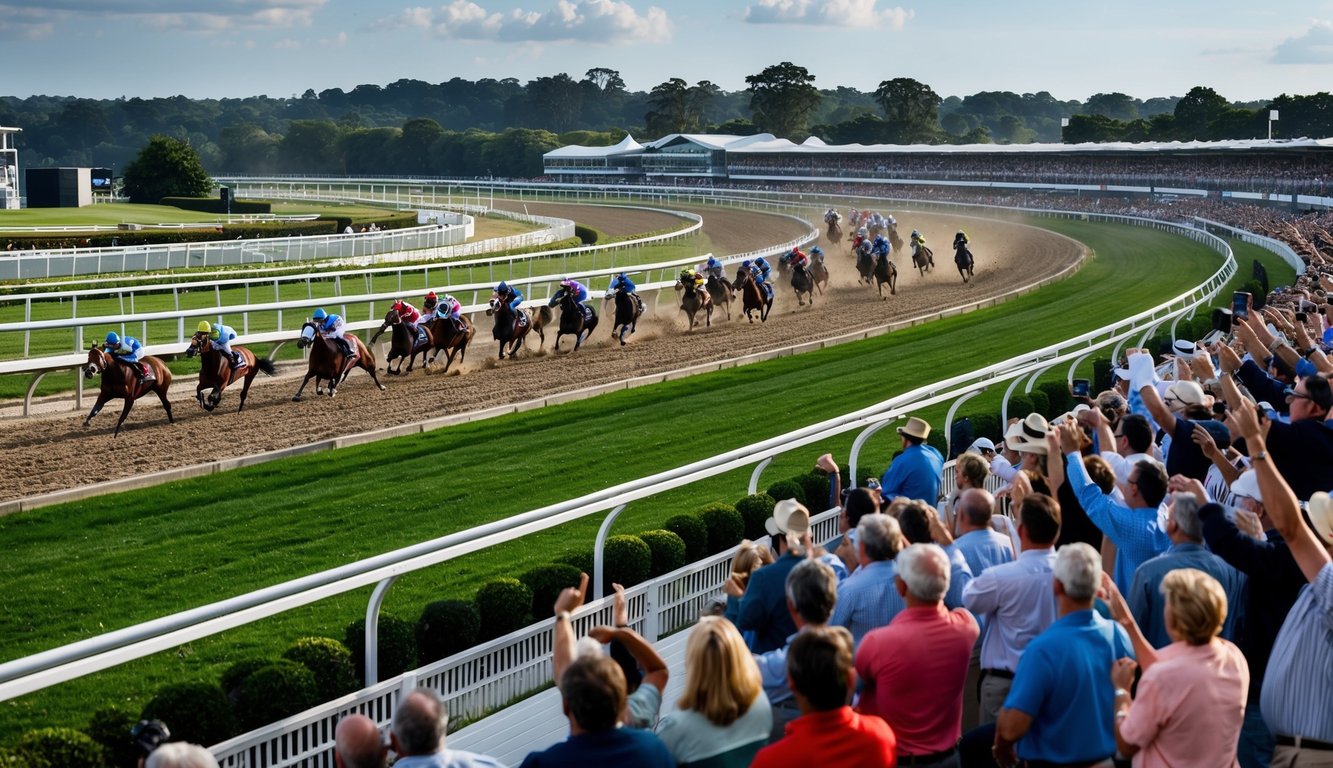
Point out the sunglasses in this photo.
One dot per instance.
(1292, 394)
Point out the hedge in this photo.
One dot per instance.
(1062, 401)
(446, 627)
(815, 484)
(387, 220)
(110, 728)
(725, 526)
(1101, 374)
(329, 661)
(277, 691)
(755, 511)
(1020, 405)
(239, 205)
(196, 712)
(238, 672)
(581, 559)
(586, 234)
(504, 605)
(786, 489)
(546, 583)
(668, 551)
(397, 646)
(1041, 403)
(693, 532)
(59, 748)
(627, 561)
(986, 425)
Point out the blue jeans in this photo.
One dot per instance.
(1255, 749)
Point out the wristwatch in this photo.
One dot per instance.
(1260, 456)
(562, 616)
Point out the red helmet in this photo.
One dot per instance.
(431, 296)
(398, 306)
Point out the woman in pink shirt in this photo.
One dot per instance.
(1191, 698)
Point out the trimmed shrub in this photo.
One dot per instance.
(329, 661)
(236, 674)
(755, 509)
(1062, 401)
(725, 526)
(986, 425)
(815, 486)
(277, 691)
(10, 759)
(446, 627)
(693, 532)
(504, 605)
(1041, 403)
(1101, 374)
(397, 646)
(196, 712)
(581, 559)
(786, 489)
(586, 234)
(59, 748)
(546, 583)
(1201, 325)
(1020, 405)
(110, 728)
(627, 559)
(215, 205)
(1256, 290)
(668, 551)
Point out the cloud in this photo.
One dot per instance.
(1313, 47)
(587, 21)
(827, 13)
(182, 15)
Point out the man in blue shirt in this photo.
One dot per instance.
(982, 546)
(867, 599)
(1061, 706)
(918, 471)
(764, 618)
(811, 594)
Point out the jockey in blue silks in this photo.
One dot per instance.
(620, 282)
(127, 350)
(509, 295)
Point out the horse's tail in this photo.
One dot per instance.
(542, 316)
(266, 365)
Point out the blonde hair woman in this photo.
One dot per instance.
(724, 717)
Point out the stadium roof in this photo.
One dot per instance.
(626, 146)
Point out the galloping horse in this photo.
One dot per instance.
(629, 308)
(120, 383)
(962, 258)
(923, 259)
(803, 283)
(447, 338)
(865, 265)
(895, 239)
(511, 326)
(819, 272)
(885, 272)
(404, 344)
(721, 292)
(834, 233)
(327, 360)
(753, 296)
(695, 300)
(575, 319)
(216, 373)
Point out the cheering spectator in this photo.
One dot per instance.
(921, 525)
(357, 743)
(866, 599)
(811, 594)
(417, 737)
(917, 472)
(724, 715)
(763, 610)
(828, 733)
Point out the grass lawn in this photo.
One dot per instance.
(102, 214)
(82, 569)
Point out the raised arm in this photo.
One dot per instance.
(1141, 379)
(562, 654)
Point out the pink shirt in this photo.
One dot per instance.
(1189, 708)
(913, 672)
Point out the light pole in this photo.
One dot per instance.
(1272, 117)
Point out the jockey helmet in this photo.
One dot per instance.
(817, 250)
(449, 300)
(398, 306)
(113, 339)
(204, 327)
(745, 264)
(862, 231)
(879, 239)
(215, 332)
(622, 276)
(892, 220)
(565, 282)
(431, 298)
(319, 314)
(915, 233)
(503, 287)
(760, 262)
(961, 233)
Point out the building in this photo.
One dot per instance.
(59, 187)
(9, 170)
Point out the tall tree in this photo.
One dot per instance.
(782, 100)
(554, 102)
(911, 109)
(668, 108)
(1196, 110)
(1117, 106)
(166, 167)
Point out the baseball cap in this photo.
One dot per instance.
(1247, 485)
(1183, 348)
(980, 444)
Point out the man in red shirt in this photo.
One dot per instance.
(914, 670)
(828, 733)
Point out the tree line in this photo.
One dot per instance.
(501, 127)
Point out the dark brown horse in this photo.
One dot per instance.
(885, 272)
(804, 285)
(511, 326)
(923, 259)
(753, 296)
(834, 233)
(449, 339)
(895, 239)
(962, 258)
(121, 383)
(694, 301)
(216, 373)
(629, 308)
(576, 320)
(721, 292)
(404, 344)
(865, 263)
(819, 272)
(327, 360)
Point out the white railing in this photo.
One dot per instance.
(1274, 245)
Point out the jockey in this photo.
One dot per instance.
(332, 328)
(570, 287)
(918, 240)
(408, 314)
(508, 295)
(854, 216)
(129, 351)
(713, 268)
(960, 239)
(689, 276)
(890, 221)
(620, 282)
(430, 308)
(817, 253)
(762, 272)
(881, 246)
(831, 216)
(447, 308)
(797, 259)
(221, 337)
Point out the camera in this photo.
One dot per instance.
(1081, 387)
(872, 483)
(148, 735)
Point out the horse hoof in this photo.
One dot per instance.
(382, 387)
(295, 399)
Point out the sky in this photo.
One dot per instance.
(1071, 48)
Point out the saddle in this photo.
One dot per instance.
(140, 369)
(421, 335)
(522, 321)
(587, 312)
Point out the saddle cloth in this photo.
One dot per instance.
(421, 335)
(523, 319)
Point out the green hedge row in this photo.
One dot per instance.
(215, 205)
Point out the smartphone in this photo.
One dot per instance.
(1241, 304)
(1301, 317)
(1212, 338)
(1081, 387)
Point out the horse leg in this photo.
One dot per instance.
(199, 395)
(129, 403)
(97, 407)
(370, 369)
(297, 397)
(245, 388)
(166, 405)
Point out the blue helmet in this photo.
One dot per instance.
(713, 262)
(319, 314)
(879, 238)
(915, 233)
(113, 339)
(623, 276)
(759, 262)
(503, 287)
(745, 264)
(817, 251)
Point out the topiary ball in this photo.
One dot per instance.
(581, 559)
(1020, 406)
(196, 712)
(236, 674)
(693, 532)
(504, 605)
(110, 728)
(786, 489)
(546, 583)
(273, 693)
(397, 646)
(59, 748)
(668, 551)
(815, 485)
(1041, 403)
(725, 526)
(329, 660)
(755, 511)
(447, 627)
(1062, 400)
(627, 561)
(986, 425)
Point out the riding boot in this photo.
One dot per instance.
(236, 360)
(141, 372)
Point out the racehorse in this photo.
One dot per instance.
(895, 239)
(576, 319)
(721, 292)
(962, 258)
(629, 308)
(923, 259)
(803, 283)
(404, 344)
(216, 373)
(511, 326)
(885, 272)
(327, 360)
(120, 383)
(865, 265)
(834, 233)
(693, 301)
(819, 272)
(753, 296)
(449, 339)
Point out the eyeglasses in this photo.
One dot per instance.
(1292, 394)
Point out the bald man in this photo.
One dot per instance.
(357, 743)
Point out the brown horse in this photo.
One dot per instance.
(819, 272)
(834, 233)
(721, 292)
(216, 373)
(885, 272)
(450, 339)
(753, 296)
(895, 239)
(404, 343)
(695, 300)
(628, 310)
(327, 360)
(121, 383)
(512, 325)
(577, 320)
(923, 259)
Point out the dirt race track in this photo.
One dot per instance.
(54, 452)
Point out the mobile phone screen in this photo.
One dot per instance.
(1240, 304)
